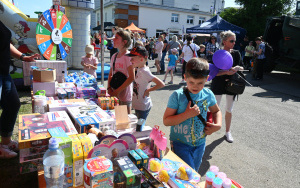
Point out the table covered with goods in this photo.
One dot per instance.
(79, 136)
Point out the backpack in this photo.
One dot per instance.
(269, 52)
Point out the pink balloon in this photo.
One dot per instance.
(213, 71)
(222, 59)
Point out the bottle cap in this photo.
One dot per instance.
(217, 182)
(222, 175)
(227, 183)
(53, 143)
(214, 169)
(210, 176)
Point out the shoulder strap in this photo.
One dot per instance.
(115, 62)
(187, 94)
(191, 48)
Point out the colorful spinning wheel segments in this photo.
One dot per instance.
(54, 35)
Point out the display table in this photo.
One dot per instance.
(168, 155)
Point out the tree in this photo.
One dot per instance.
(253, 14)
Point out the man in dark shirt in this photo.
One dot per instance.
(243, 45)
(164, 53)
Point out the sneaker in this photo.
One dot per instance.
(6, 153)
(182, 82)
(13, 145)
(229, 137)
(171, 82)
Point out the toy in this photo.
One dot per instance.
(163, 176)
(92, 129)
(155, 165)
(184, 173)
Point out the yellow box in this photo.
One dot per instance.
(77, 161)
(86, 144)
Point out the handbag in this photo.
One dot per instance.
(209, 114)
(118, 78)
(236, 84)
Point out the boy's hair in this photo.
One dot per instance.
(202, 46)
(197, 68)
(125, 35)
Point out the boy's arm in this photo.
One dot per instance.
(217, 119)
(170, 119)
(159, 84)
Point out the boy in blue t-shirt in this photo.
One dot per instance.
(172, 65)
(187, 134)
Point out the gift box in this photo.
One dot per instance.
(145, 158)
(44, 75)
(98, 172)
(135, 158)
(77, 161)
(127, 175)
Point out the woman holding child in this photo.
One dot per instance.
(218, 84)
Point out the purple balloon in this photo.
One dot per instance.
(222, 59)
(213, 71)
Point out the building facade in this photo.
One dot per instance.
(156, 16)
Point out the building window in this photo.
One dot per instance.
(174, 18)
(158, 32)
(190, 20)
(201, 20)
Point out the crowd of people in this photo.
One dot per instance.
(130, 53)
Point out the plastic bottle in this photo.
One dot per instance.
(54, 163)
(227, 183)
(214, 169)
(222, 175)
(209, 179)
(217, 183)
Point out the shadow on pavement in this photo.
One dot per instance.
(206, 157)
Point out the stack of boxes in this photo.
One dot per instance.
(108, 103)
(44, 79)
(86, 92)
(66, 90)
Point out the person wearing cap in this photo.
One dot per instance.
(173, 59)
(141, 100)
(89, 62)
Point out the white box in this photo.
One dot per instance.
(92, 114)
(49, 87)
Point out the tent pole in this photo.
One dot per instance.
(102, 46)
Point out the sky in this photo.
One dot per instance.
(28, 7)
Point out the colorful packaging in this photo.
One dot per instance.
(77, 161)
(86, 144)
(61, 105)
(62, 94)
(101, 91)
(70, 93)
(98, 172)
(145, 158)
(65, 144)
(135, 158)
(127, 172)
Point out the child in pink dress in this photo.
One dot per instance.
(89, 62)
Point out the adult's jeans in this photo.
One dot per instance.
(162, 62)
(10, 104)
(192, 155)
(142, 113)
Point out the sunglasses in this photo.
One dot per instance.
(232, 41)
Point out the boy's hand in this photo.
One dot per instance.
(211, 128)
(192, 111)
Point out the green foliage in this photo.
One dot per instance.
(253, 14)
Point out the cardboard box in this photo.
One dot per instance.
(44, 75)
(128, 173)
(60, 66)
(65, 144)
(61, 105)
(33, 128)
(145, 158)
(77, 161)
(31, 166)
(49, 87)
(98, 172)
(28, 154)
(135, 158)
(86, 144)
(92, 114)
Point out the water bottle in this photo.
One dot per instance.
(54, 163)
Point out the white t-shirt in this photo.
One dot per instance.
(188, 53)
(141, 83)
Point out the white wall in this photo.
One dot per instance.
(108, 11)
(153, 19)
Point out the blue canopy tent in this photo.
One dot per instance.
(218, 24)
